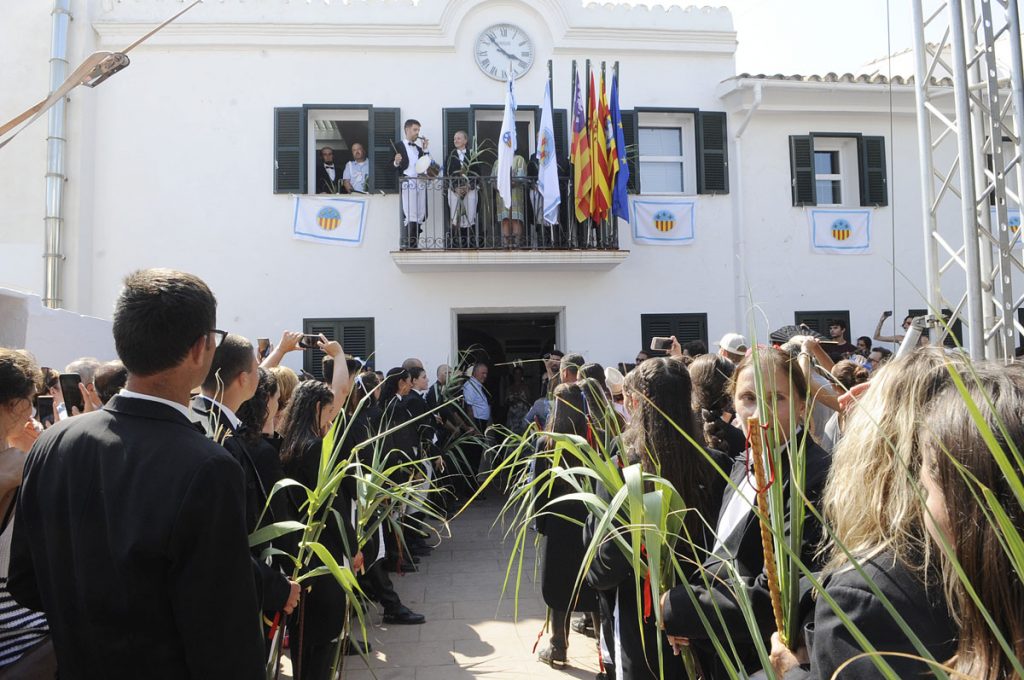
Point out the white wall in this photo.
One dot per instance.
(55, 337)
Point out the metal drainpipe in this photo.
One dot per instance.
(53, 256)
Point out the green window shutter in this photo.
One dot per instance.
(355, 335)
(821, 320)
(385, 132)
(801, 166)
(630, 135)
(289, 150)
(874, 187)
(455, 120)
(955, 328)
(686, 328)
(559, 118)
(712, 153)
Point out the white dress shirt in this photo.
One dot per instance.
(476, 399)
(180, 408)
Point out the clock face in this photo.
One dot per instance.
(502, 47)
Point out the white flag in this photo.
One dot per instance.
(547, 175)
(338, 221)
(840, 232)
(658, 222)
(507, 145)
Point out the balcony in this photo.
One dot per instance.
(463, 225)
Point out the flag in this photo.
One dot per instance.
(617, 146)
(600, 199)
(338, 221)
(840, 232)
(580, 154)
(547, 167)
(664, 222)
(507, 144)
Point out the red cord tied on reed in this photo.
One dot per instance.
(648, 595)
(747, 462)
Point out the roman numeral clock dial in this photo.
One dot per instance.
(503, 47)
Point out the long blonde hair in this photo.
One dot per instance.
(872, 496)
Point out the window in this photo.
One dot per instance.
(681, 151)
(666, 149)
(300, 132)
(955, 329)
(488, 128)
(338, 130)
(355, 336)
(828, 178)
(821, 320)
(686, 328)
(838, 169)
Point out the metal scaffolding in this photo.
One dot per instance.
(969, 139)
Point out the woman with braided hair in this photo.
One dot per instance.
(712, 403)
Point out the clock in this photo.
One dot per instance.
(502, 47)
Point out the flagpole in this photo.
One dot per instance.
(602, 228)
(586, 101)
(571, 184)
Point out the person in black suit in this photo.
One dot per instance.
(131, 531)
(884, 530)
(328, 175)
(231, 381)
(738, 534)
(563, 553)
(658, 396)
(463, 193)
(321, 616)
(414, 191)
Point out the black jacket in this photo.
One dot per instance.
(611, 573)
(131, 536)
(323, 179)
(272, 586)
(922, 608)
(743, 548)
(324, 604)
(564, 549)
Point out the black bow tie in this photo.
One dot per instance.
(331, 166)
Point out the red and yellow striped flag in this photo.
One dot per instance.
(580, 154)
(601, 198)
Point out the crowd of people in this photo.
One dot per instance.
(129, 505)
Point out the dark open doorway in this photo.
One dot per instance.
(498, 339)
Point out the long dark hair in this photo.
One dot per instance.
(568, 412)
(254, 413)
(957, 452)
(365, 383)
(390, 387)
(662, 392)
(709, 375)
(301, 427)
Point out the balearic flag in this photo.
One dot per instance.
(620, 183)
(600, 200)
(580, 152)
(507, 144)
(547, 167)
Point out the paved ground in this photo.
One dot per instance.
(470, 630)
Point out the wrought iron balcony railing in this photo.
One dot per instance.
(456, 213)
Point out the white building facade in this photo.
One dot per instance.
(190, 159)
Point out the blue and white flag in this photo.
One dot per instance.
(507, 144)
(547, 177)
(840, 232)
(339, 221)
(1013, 223)
(664, 222)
